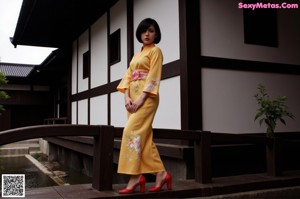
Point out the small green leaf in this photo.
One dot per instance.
(282, 121)
(261, 121)
(259, 114)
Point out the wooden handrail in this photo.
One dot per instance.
(24, 133)
(225, 138)
(202, 151)
(104, 140)
(273, 148)
(168, 134)
(203, 140)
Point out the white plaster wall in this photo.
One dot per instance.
(83, 111)
(118, 111)
(83, 46)
(229, 105)
(118, 20)
(222, 34)
(44, 146)
(98, 110)
(166, 14)
(99, 52)
(168, 114)
(74, 112)
(74, 67)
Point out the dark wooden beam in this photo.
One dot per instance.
(190, 69)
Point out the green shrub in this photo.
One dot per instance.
(271, 110)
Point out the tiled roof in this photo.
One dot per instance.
(16, 70)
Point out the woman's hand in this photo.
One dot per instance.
(128, 102)
(139, 102)
(133, 106)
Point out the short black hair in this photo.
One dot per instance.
(144, 25)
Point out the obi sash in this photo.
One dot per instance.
(139, 75)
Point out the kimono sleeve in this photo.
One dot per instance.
(125, 82)
(154, 74)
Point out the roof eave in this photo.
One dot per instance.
(56, 23)
(24, 16)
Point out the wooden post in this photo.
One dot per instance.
(103, 159)
(203, 158)
(274, 157)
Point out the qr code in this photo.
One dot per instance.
(13, 185)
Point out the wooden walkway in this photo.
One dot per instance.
(181, 189)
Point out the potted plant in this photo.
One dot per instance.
(271, 110)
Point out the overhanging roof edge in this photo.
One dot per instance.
(26, 10)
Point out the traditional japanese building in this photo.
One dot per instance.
(215, 55)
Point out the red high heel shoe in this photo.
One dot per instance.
(141, 182)
(167, 179)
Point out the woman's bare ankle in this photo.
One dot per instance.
(133, 180)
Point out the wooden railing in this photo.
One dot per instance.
(273, 147)
(202, 148)
(104, 140)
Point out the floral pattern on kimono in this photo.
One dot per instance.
(134, 145)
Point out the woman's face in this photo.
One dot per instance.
(149, 35)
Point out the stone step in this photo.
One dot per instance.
(15, 151)
(31, 147)
(20, 148)
(30, 141)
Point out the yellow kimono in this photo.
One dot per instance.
(138, 153)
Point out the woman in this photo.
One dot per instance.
(140, 84)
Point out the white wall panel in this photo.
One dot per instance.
(99, 52)
(74, 67)
(83, 112)
(98, 110)
(74, 113)
(83, 46)
(229, 105)
(166, 14)
(118, 111)
(222, 34)
(168, 114)
(118, 20)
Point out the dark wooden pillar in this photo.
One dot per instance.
(190, 69)
(202, 152)
(103, 159)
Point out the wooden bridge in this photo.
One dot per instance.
(202, 185)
